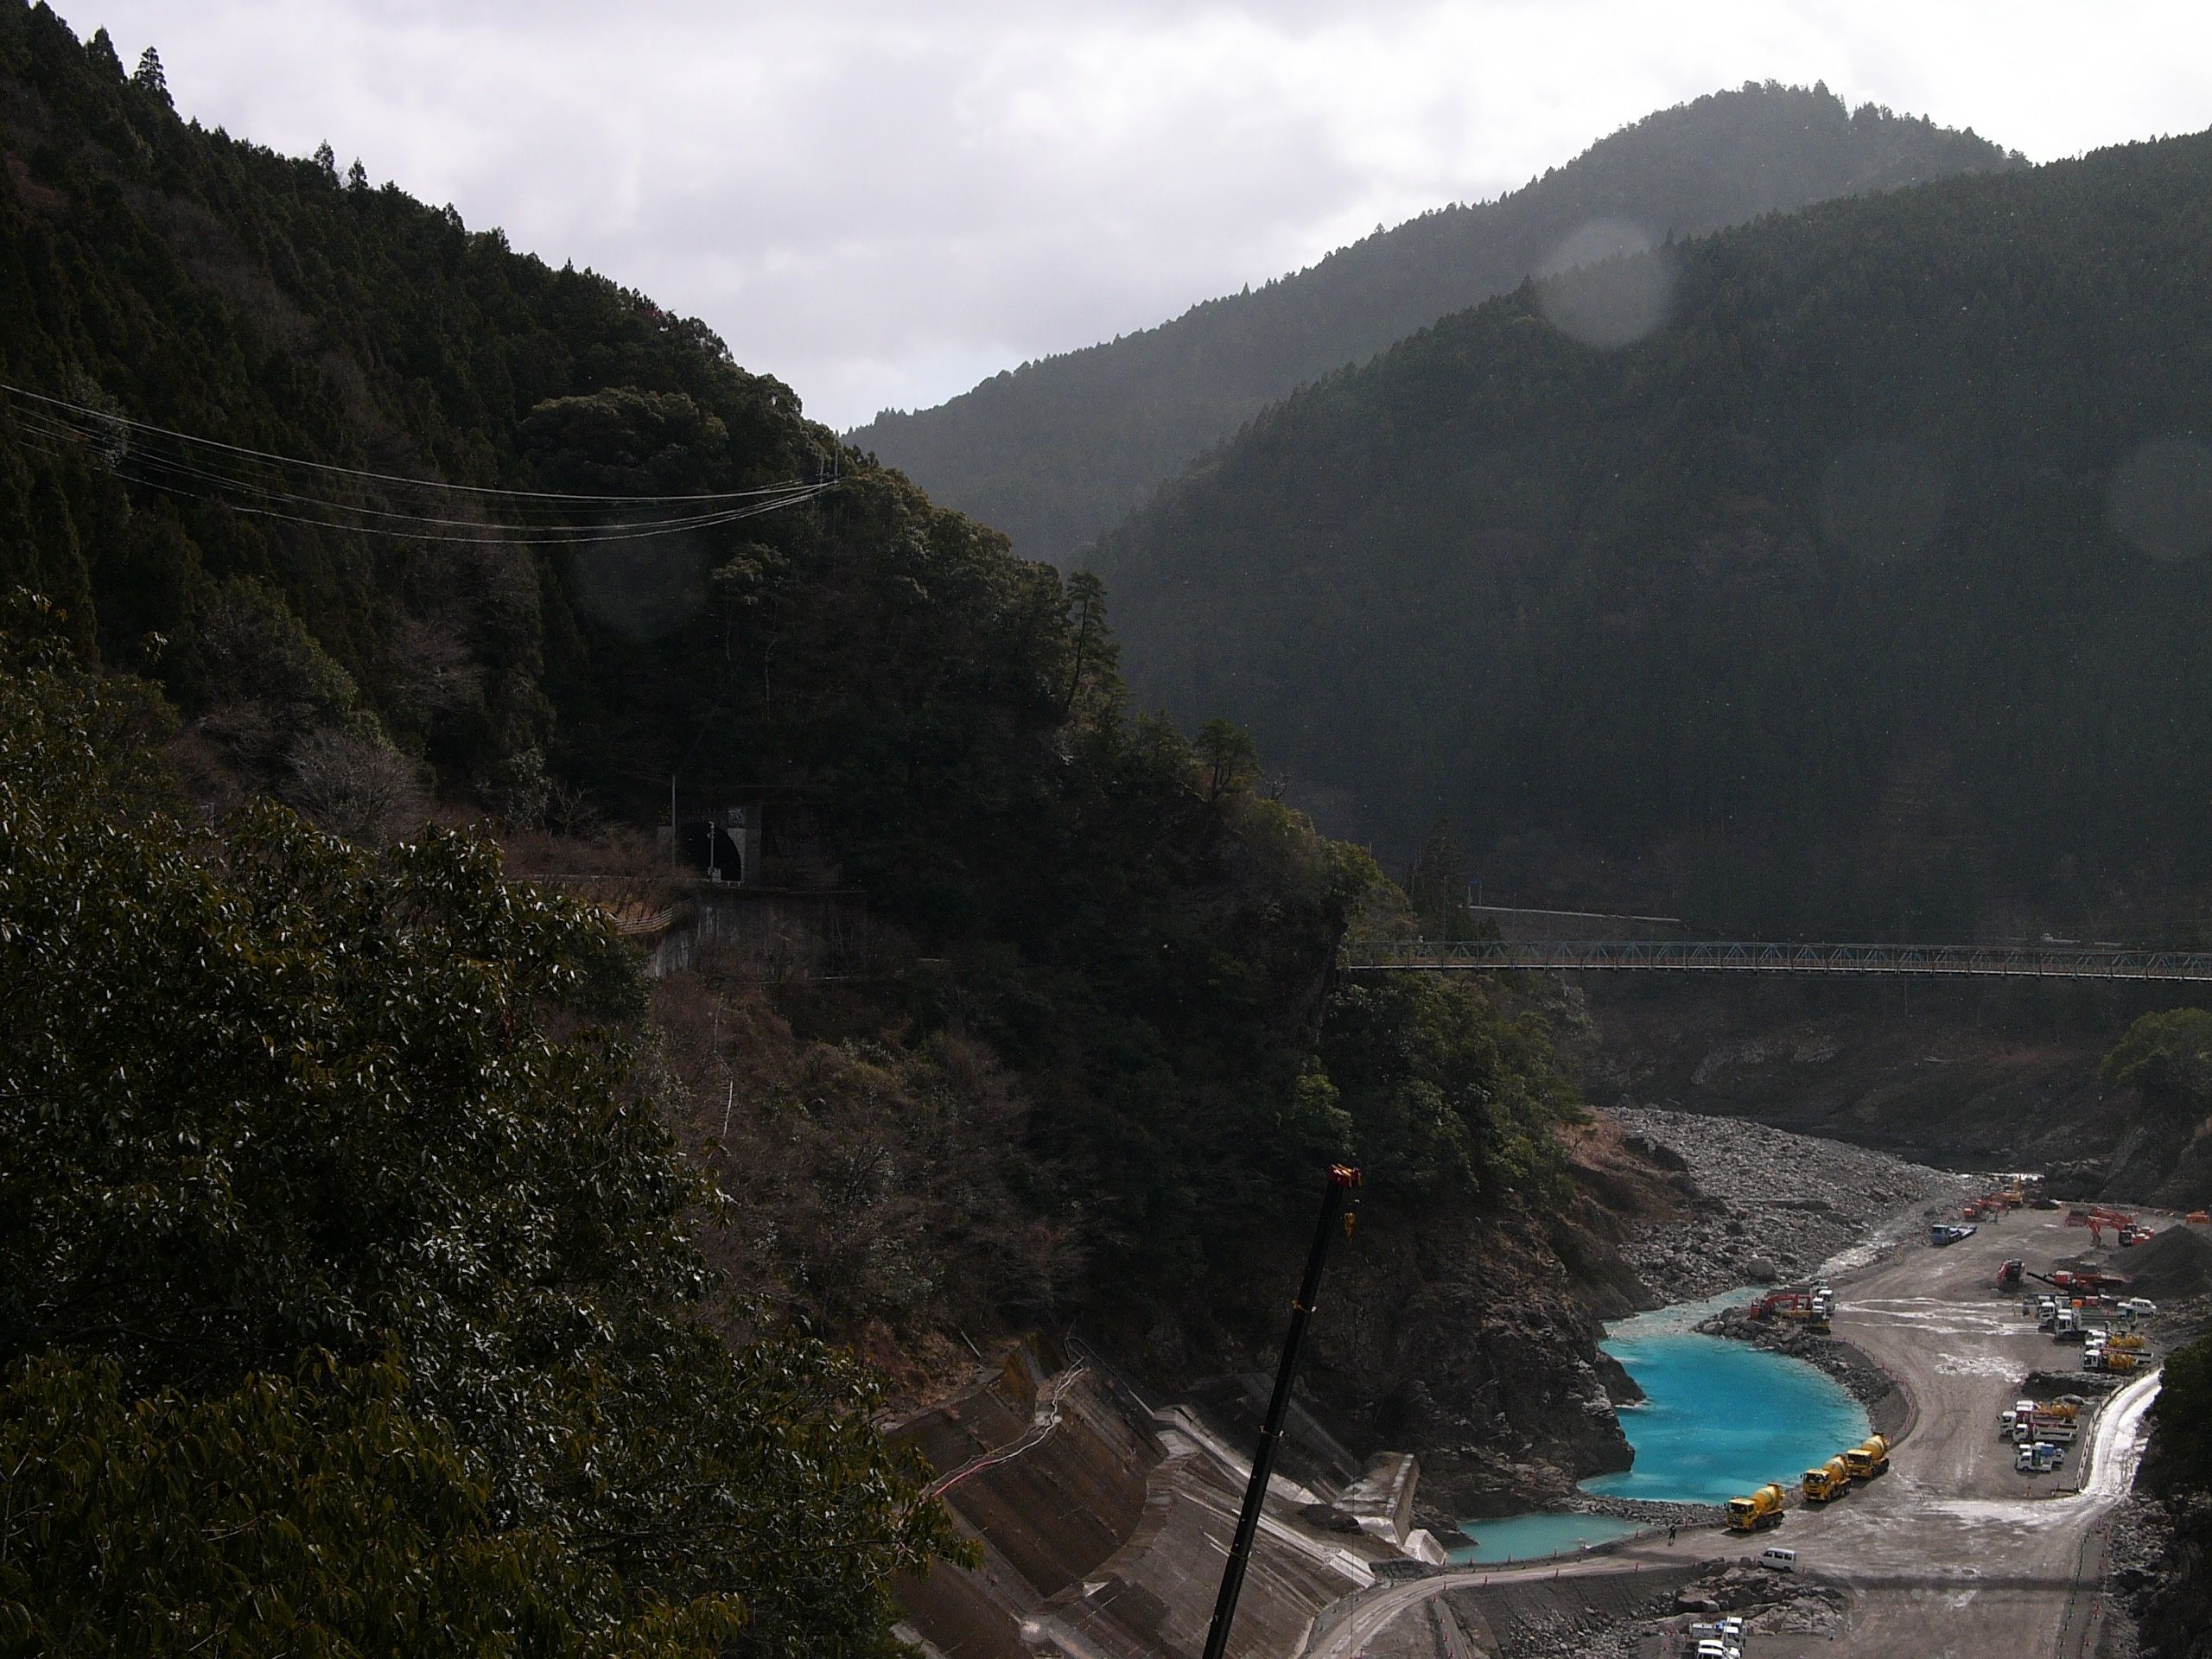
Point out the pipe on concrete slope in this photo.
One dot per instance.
(1342, 1179)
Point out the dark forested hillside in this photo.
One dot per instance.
(1866, 592)
(1058, 451)
(310, 493)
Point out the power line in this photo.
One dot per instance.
(142, 459)
(58, 422)
(103, 417)
(615, 533)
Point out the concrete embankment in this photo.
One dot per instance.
(1102, 1522)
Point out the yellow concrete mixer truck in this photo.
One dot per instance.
(1761, 1510)
(1870, 1458)
(1830, 1481)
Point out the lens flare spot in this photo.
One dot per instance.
(1609, 284)
(644, 588)
(2160, 499)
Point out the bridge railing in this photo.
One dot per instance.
(1740, 957)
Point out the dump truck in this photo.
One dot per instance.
(1870, 1458)
(2024, 1416)
(1830, 1481)
(1761, 1510)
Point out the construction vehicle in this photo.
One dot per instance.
(2081, 1281)
(2127, 1342)
(1831, 1480)
(2200, 1217)
(2028, 1420)
(1810, 1304)
(2038, 1460)
(2116, 1361)
(1761, 1510)
(1342, 1180)
(2009, 1276)
(1870, 1458)
(2100, 1218)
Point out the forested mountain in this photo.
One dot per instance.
(1058, 451)
(370, 1228)
(1864, 592)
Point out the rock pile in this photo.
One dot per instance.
(1775, 1205)
(2174, 1265)
(1865, 1382)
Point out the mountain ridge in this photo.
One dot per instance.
(1825, 606)
(1058, 451)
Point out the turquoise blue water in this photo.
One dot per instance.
(1525, 1537)
(1721, 1417)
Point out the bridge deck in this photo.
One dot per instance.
(1936, 961)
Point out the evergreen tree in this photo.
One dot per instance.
(148, 77)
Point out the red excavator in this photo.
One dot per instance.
(2123, 1227)
(1812, 1305)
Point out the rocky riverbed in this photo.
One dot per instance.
(1772, 1207)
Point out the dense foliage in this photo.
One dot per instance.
(1860, 594)
(354, 1150)
(276, 1097)
(2181, 1419)
(1057, 452)
(1122, 917)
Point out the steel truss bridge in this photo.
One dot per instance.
(1703, 956)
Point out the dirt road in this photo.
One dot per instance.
(1952, 1556)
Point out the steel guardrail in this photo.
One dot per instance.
(1740, 956)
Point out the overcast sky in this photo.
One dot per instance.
(882, 201)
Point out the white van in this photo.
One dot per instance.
(1782, 1561)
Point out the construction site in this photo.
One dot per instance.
(2004, 1347)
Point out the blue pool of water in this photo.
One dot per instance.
(1525, 1537)
(1721, 1417)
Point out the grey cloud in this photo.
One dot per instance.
(878, 203)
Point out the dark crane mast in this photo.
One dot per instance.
(1342, 1180)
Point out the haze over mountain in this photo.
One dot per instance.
(1864, 591)
(1058, 451)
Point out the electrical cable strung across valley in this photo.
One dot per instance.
(263, 484)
